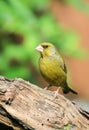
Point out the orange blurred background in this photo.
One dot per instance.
(71, 17)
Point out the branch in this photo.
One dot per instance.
(26, 106)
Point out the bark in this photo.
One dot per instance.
(27, 106)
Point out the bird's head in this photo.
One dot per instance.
(46, 49)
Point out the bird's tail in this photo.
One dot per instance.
(67, 89)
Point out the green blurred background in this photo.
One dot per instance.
(26, 23)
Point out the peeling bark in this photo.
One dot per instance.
(26, 106)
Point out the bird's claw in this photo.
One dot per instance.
(56, 93)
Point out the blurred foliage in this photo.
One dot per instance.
(23, 25)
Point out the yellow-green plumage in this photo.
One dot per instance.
(52, 67)
(51, 71)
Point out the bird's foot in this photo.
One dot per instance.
(56, 93)
(46, 88)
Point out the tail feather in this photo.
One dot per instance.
(67, 89)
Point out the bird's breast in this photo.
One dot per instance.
(51, 71)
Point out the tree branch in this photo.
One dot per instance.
(26, 106)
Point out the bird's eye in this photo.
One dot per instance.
(46, 46)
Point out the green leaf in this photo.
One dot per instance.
(15, 51)
(16, 72)
(39, 4)
(70, 45)
(50, 30)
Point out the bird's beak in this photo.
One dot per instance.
(39, 48)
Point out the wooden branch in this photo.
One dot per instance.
(26, 106)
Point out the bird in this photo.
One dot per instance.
(53, 68)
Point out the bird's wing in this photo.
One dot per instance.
(65, 69)
(63, 66)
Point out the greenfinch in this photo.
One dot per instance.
(52, 67)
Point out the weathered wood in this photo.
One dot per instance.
(26, 106)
